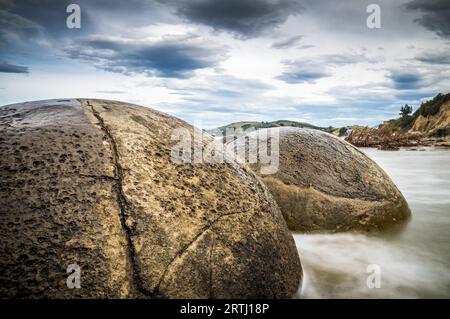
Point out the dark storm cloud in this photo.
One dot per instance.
(243, 18)
(405, 80)
(49, 16)
(287, 43)
(435, 15)
(14, 26)
(12, 68)
(174, 57)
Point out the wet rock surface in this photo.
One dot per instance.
(326, 184)
(91, 182)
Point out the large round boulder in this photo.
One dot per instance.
(325, 184)
(91, 198)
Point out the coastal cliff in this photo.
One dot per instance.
(429, 125)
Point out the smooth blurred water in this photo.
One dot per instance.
(414, 263)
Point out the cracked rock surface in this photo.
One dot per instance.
(91, 182)
(326, 184)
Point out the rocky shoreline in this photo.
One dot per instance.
(429, 125)
(386, 139)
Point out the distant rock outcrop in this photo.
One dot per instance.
(429, 125)
(90, 183)
(326, 184)
(384, 137)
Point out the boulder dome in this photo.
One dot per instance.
(325, 184)
(90, 185)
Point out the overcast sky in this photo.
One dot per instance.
(225, 61)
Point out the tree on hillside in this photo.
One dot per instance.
(405, 116)
(405, 111)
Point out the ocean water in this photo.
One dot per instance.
(413, 263)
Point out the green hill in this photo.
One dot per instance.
(240, 127)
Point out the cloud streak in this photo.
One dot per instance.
(403, 80)
(442, 57)
(12, 68)
(169, 57)
(310, 70)
(301, 72)
(287, 43)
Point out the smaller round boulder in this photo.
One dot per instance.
(325, 184)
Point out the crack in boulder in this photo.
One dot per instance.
(122, 202)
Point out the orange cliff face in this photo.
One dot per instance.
(434, 125)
